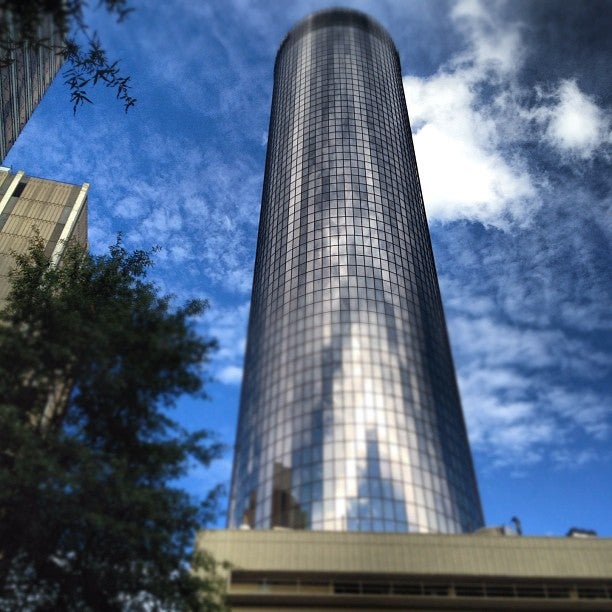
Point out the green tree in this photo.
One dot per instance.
(86, 60)
(91, 361)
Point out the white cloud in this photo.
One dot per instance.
(229, 326)
(161, 221)
(230, 375)
(573, 459)
(462, 178)
(586, 409)
(464, 169)
(573, 121)
(472, 117)
(492, 46)
(212, 54)
(130, 207)
(521, 389)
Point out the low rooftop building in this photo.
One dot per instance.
(282, 570)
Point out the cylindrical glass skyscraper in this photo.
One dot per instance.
(350, 417)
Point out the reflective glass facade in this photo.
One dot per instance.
(350, 417)
(25, 76)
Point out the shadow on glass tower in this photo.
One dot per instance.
(350, 417)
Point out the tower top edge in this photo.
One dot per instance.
(336, 17)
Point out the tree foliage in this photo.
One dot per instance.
(91, 361)
(86, 60)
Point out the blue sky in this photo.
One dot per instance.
(510, 110)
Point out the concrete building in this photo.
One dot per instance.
(283, 570)
(26, 72)
(350, 417)
(58, 211)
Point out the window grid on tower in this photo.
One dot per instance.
(350, 417)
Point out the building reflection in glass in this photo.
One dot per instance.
(350, 417)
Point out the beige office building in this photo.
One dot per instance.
(283, 570)
(58, 211)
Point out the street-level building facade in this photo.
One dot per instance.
(350, 416)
